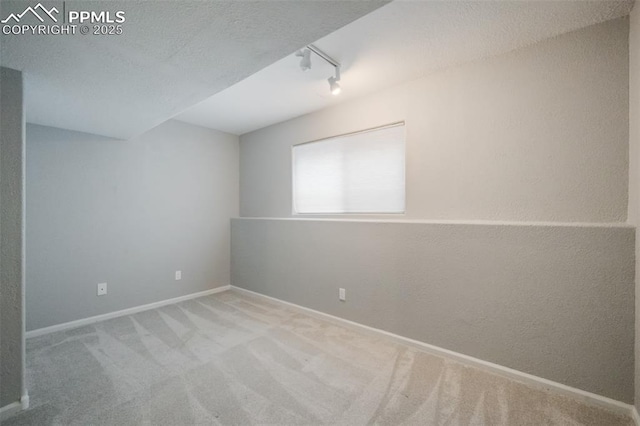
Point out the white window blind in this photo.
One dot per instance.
(357, 173)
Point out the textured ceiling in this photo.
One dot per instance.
(170, 56)
(395, 43)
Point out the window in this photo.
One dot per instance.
(356, 173)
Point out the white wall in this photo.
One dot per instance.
(129, 213)
(539, 134)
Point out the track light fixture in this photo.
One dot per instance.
(334, 86)
(305, 64)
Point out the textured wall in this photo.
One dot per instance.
(634, 164)
(11, 192)
(538, 134)
(128, 213)
(554, 301)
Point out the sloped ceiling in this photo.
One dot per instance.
(171, 55)
(400, 41)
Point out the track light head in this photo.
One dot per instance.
(334, 86)
(305, 62)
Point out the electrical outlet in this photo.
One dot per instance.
(342, 294)
(178, 275)
(102, 289)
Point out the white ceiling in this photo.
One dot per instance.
(395, 43)
(172, 55)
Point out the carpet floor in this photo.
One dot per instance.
(230, 358)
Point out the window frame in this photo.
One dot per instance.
(365, 213)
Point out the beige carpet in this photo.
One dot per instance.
(233, 359)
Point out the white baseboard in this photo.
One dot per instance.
(10, 410)
(24, 401)
(123, 312)
(14, 408)
(535, 381)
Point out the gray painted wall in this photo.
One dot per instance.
(129, 213)
(554, 301)
(539, 134)
(11, 237)
(634, 165)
